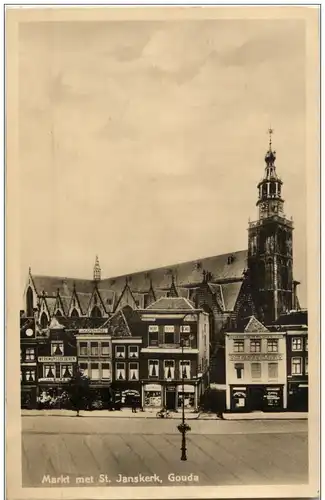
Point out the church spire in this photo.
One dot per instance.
(97, 270)
(269, 200)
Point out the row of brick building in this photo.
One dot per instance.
(160, 353)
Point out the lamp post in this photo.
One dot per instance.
(183, 427)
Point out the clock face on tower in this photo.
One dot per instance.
(29, 332)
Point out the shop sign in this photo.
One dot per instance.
(57, 359)
(255, 357)
(152, 387)
(93, 330)
(187, 388)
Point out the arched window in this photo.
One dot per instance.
(74, 313)
(96, 313)
(58, 313)
(29, 302)
(44, 320)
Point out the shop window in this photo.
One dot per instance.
(94, 371)
(185, 369)
(239, 345)
(94, 349)
(57, 349)
(133, 351)
(256, 370)
(120, 351)
(105, 349)
(239, 367)
(30, 354)
(49, 371)
(134, 371)
(272, 345)
(188, 399)
(66, 371)
(106, 371)
(255, 346)
(306, 366)
(296, 344)
(153, 339)
(120, 371)
(30, 375)
(296, 366)
(83, 349)
(153, 365)
(84, 369)
(169, 369)
(273, 370)
(152, 399)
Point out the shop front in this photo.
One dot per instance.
(298, 397)
(152, 396)
(28, 397)
(256, 398)
(188, 393)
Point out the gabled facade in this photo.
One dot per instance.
(256, 368)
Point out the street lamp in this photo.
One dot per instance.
(183, 427)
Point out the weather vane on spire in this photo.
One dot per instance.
(270, 132)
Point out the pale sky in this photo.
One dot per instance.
(143, 142)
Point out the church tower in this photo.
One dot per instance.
(97, 271)
(270, 247)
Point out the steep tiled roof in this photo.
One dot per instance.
(171, 303)
(84, 299)
(222, 268)
(293, 318)
(51, 285)
(117, 325)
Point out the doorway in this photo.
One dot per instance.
(256, 399)
(170, 400)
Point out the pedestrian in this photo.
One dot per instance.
(134, 405)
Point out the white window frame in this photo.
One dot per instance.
(54, 345)
(94, 347)
(293, 372)
(133, 355)
(31, 371)
(30, 356)
(116, 370)
(136, 370)
(255, 342)
(62, 369)
(86, 346)
(173, 369)
(102, 346)
(272, 342)
(298, 340)
(154, 377)
(53, 370)
(186, 328)
(236, 343)
(120, 355)
(153, 328)
(169, 329)
(186, 363)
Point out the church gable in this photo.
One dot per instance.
(74, 308)
(58, 309)
(126, 299)
(96, 307)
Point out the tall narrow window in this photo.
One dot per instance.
(256, 370)
(96, 312)
(94, 371)
(169, 369)
(239, 367)
(153, 368)
(169, 334)
(297, 344)
(49, 371)
(106, 371)
(29, 303)
(120, 371)
(44, 320)
(296, 366)
(30, 375)
(74, 313)
(134, 371)
(84, 369)
(83, 348)
(239, 345)
(66, 371)
(273, 370)
(30, 354)
(105, 349)
(94, 349)
(185, 369)
(272, 345)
